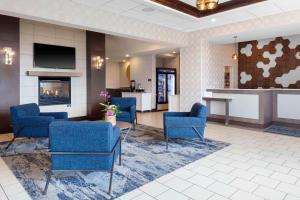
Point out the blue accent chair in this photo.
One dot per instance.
(185, 124)
(127, 106)
(28, 121)
(84, 146)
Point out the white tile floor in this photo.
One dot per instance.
(256, 166)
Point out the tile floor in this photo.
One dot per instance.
(256, 166)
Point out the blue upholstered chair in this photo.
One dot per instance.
(127, 106)
(185, 124)
(28, 121)
(84, 146)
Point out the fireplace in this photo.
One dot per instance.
(54, 91)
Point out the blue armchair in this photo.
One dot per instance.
(185, 124)
(84, 146)
(127, 106)
(28, 121)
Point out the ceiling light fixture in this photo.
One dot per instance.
(107, 58)
(204, 5)
(213, 19)
(127, 55)
(235, 55)
(174, 52)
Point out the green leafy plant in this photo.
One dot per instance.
(110, 110)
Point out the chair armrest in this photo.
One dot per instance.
(39, 121)
(56, 115)
(184, 122)
(174, 114)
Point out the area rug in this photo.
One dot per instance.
(283, 130)
(145, 159)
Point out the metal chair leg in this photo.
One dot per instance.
(167, 142)
(10, 143)
(49, 173)
(120, 154)
(111, 173)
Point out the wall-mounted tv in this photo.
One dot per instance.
(52, 56)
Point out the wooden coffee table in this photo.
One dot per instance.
(125, 128)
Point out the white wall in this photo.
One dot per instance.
(124, 81)
(143, 68)
(112, 74)
(35, 32)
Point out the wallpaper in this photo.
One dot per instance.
(270, 63)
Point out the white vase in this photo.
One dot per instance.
(111, 119)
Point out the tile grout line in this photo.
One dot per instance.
(4, 192)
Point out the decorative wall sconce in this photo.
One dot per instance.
(8, 55)
(98, 62)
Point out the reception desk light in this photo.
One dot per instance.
(8, 55)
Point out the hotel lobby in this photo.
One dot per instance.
(149, 99)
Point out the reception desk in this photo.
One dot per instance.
(256, 107)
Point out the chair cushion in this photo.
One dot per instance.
(124, 114)
(124, 103)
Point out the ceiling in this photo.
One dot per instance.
(146, 10)
(117, 48)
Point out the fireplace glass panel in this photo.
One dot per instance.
(54, 91)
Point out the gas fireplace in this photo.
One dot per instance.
(54, 91)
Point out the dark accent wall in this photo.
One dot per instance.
(284, 64)
(9, 74)
(95, 46)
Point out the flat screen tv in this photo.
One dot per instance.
(52, 56)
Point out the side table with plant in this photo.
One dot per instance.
(111, 112)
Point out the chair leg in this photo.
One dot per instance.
(10, 143)
(120, 154)
(167, 142)
(111, 173)
(49, 173)
(200, 137)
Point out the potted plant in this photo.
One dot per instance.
(111, 112)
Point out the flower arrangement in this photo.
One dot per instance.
(110, 110)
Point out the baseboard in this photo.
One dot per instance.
(238, 123)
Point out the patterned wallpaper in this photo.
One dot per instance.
(270, 63)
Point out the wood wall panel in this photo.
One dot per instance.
(9, 74)
(95, 44)
(284, 64)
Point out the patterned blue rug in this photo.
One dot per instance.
(145, 159)
(283, 130)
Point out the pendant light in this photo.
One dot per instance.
(235, 55)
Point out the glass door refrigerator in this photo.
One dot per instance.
(165, 86)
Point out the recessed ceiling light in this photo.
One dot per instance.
(174, 52)
(127, 55)
(213, 19)
(107, 58)
(148, 9)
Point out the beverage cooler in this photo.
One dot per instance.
(165, 86)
